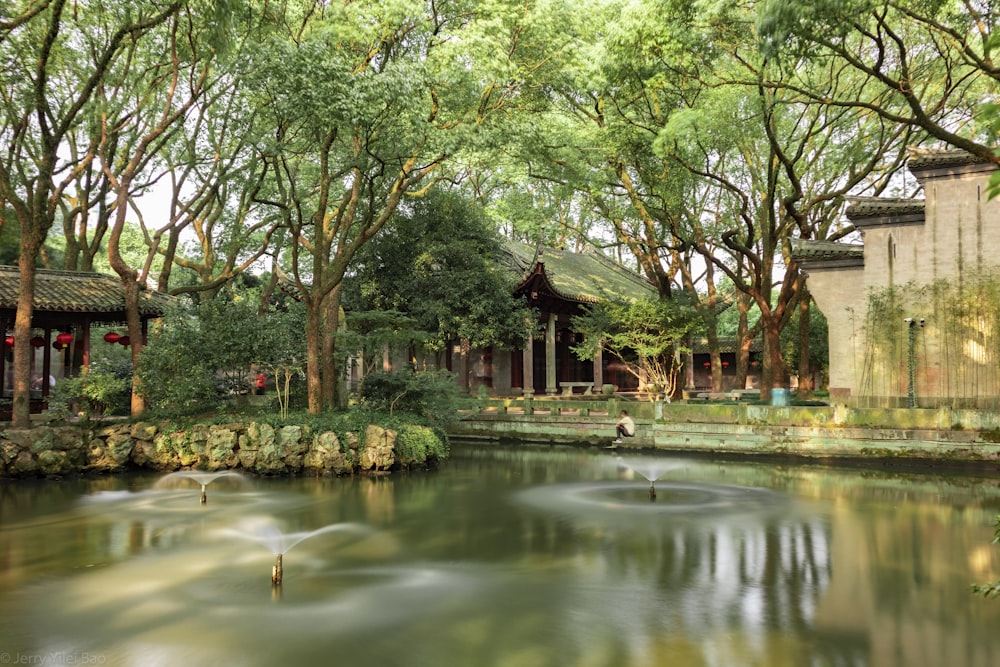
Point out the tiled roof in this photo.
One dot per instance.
(586, 277)
(726, 345)
(826, 250)
(882, 207)
(828, 255)
(78, 292)
(936, 158)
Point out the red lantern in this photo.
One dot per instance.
(124, 341)
(9, 341)
(112, 337)
(725, 364)
(65, 338)
(37, 341)
(708, 364)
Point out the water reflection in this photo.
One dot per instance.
(528, 556)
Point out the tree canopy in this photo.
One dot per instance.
(377, 147)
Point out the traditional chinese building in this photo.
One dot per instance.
(67, 304)
(914, 310)
(557, 284)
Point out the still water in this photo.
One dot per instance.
(506, 557)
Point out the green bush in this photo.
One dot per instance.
(198, 357)
(430, 395)
(419, 443)
(103, 388)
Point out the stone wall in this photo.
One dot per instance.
(253, 447)
(822, 432)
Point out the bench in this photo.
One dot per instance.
(567, 388)
(731, 395)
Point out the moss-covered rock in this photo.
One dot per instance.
(254, 447)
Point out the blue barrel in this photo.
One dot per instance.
(779, 397)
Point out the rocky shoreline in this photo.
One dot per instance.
(257, 448)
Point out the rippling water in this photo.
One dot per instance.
(506, 556)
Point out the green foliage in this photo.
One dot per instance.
(9, 244)
(103, 388)
(419, 443)
(791, 27)
(819, 342)
(199, 355)
(647, 335)
(440, 263)
(432, 396)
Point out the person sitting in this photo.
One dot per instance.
(625, 427)
(37, 382)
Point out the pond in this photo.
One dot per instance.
(506, 557)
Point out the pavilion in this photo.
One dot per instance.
(67, 304)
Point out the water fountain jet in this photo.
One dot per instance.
(280, 543)
(650, 467)
(200, 477)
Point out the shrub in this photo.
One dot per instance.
(429, 395)
(103, 388)
(198, 357)
(419, 443)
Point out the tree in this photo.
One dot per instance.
(54, 62)
(439, 262)
(783, 174)
(677, 132)
(366, 102)
(649, 336)
(926, 65)
(140, 112)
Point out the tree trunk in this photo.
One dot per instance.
(773, 372)
(23, 352)
(265, 295)
(135, 334)
(805, 371)
(744, 340)
(716, 360)
(331, 321)
(314, 322)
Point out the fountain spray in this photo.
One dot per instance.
(204, 494)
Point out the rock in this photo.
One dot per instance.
(24, 464)
(379, 448)
(52, 462)
(325, 455)
(144, 431)
(221, 448)
(255, 447)
(289, 439)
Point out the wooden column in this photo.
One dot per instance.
(599, 370)
(501, 371)
(550, 356)
(463, 364)
(528, 365)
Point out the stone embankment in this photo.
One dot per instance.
(924, 436)
(259, 448)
